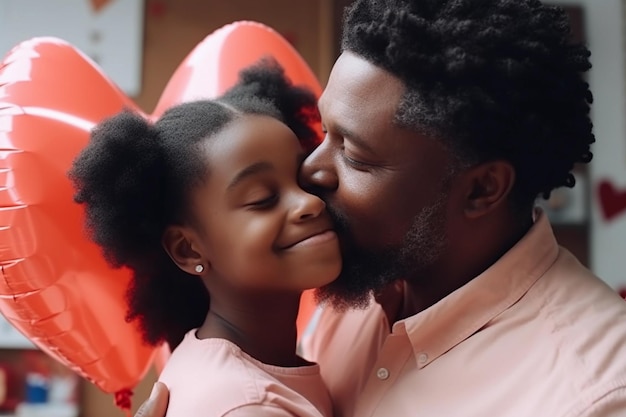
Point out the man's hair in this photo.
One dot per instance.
(493, 79)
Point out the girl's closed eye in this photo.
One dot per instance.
(260, 201)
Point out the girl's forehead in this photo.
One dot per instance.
(248, 140)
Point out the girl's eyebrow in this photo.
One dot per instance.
(249, 171)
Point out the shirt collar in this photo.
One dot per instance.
(447, 323)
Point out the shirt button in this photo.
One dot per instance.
(422, 359)
(382, 373)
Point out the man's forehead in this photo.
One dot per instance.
(359, 92)
(355, 77)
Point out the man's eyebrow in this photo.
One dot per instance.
(249, 171)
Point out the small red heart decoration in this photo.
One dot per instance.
(612, 200)
(55, 286)
(97, 5)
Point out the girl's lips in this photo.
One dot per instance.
(315, 239)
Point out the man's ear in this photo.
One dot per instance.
(179, 243)
(488, 186)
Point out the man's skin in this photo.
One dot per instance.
(363, 169)
(400, 176)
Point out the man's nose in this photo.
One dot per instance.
(318, 174)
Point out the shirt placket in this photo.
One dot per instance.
(392, 357)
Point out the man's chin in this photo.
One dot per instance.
(364, 273)
(341, 298)
(358, 281)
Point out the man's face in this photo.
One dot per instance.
(384, 185)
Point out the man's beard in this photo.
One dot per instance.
(366, 272)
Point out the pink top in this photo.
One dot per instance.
(214, 377)
(536, 334)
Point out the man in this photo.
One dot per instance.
(445, 120)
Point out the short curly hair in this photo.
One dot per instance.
(493, 79)
(134, 179)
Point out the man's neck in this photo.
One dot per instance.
(453, 272)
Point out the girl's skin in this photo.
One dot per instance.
(260, 238)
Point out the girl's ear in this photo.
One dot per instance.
(178, 242)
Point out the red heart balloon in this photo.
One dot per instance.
(55, 286)
(612, 200)
(213, 66)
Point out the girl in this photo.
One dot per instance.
(204, 207)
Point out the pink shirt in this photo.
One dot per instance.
(536, 334)
(213, 377)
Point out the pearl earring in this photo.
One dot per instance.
(199, 268)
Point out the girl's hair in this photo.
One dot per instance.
(134, 179)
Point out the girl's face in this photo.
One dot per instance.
(255, 226)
